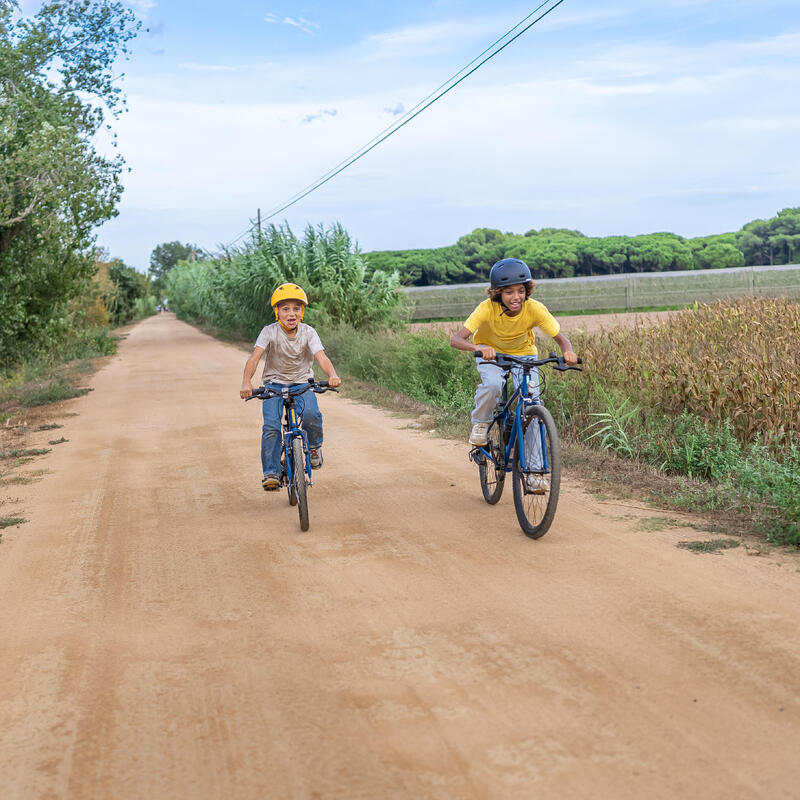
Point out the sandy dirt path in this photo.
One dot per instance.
(166, 631)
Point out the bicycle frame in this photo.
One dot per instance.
(291, 431)
(522, 399)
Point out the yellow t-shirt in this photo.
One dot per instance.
(511, 335)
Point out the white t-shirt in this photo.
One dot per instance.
(288, 359)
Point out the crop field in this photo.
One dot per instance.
(629, 291)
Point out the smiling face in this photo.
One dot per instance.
(290, 312)
(512, 297)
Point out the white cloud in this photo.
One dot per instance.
(305, 25)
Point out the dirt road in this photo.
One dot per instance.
(166, 631)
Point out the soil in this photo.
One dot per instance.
(168, 632)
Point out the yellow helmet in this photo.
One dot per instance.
(288, 291)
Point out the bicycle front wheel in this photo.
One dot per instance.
(536, 488)
(492, 472)
(299, 481)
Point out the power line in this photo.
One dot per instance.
(361, 153)
(397, 122)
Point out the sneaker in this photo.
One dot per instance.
(478, 436)
(316, 457)
(270, 483)
(536, 483)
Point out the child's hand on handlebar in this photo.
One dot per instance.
(245, 391)
(334, 381)
(489, 353)
(570, 358)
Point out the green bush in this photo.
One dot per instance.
(233, 293)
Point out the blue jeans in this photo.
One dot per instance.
(271, 440)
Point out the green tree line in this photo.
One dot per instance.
(563, 253)
(57, 88)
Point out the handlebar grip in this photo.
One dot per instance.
(477, 353)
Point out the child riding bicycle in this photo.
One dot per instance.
(503, 325)
(291, 347)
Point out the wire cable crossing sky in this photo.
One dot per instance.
(361, 153)
(410, 111)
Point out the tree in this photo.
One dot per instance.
(482, 248)
(127, 285)
(56, 89)
(167, 255)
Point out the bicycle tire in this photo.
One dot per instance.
(299, 479)
(535, 512)
(493, 473)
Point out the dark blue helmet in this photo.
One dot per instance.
(509, 271)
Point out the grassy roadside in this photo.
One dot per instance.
(30, 397)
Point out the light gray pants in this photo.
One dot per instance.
(488, 393)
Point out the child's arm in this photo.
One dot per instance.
(461, 341)
(249, 370)
(566, 349)
(327, 367)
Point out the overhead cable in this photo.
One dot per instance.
(366, 149)
(398, 122)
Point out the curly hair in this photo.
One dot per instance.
(494, 294)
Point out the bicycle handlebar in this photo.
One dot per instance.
(263, 393)
(527, 361)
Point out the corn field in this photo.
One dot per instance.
(232, 293)
(736, 360)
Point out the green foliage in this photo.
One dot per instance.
(128, 297)
(772, 241)
(166, 256)
(56, 86)
(711, 546)
(53, 391)
(233, 293)
(610, 427)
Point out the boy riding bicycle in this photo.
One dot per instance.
(503, 325)
(291, 347)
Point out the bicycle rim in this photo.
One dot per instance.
(492, 475)
(299, 480)
(535, 511)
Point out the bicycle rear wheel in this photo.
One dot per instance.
(299, 481)
(492, 472)
(535, 505)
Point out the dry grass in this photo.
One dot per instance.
(736, 360)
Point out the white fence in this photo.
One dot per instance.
(619, 292)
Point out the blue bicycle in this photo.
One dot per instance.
(296, 456)
(523, 440)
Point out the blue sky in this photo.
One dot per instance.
(608, 117)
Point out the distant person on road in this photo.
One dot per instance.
(504, 324)
(291, 348)
(164, 305)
